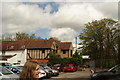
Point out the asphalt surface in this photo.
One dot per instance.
(79, 75)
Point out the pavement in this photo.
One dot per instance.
(78, 75)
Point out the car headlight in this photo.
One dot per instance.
(54, 71)
(58, 67)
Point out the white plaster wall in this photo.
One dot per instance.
(20, 56)
(0, 52)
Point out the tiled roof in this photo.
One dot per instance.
(43, 43)
(64, 45)
(33, 44)
(14, 45)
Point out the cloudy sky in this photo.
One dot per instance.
(63, 19)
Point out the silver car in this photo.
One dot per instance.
(42, 73)
(5, 73)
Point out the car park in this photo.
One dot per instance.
(69, 67)
(6, 73)
(111, 74)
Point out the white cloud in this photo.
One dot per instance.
(64, 24)
(60, 0)
(64, 34)
(109, 9)
(22, 16)
(75, 15)
(92, 0)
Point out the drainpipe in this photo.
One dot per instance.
(25, 57)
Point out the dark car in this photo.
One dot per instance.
(111, 74)
(58, 67)
(69, 67)
(15, 69)
(7, 74)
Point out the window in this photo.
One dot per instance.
(56, 51)
(19, 61)
(64, 51)
(117, 69)
(12, 47)
(23, 46)
(3, 52)
(70, 52)
(43, 51)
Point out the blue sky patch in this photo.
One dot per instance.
(54, 6)
(42, 32)
(42, 5)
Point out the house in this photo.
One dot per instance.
(35, 49)
(15, 50)
(64, 49)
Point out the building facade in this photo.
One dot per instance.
(23, 50)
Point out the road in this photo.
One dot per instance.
(79, 75)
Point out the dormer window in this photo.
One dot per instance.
(23, 46)
(7, 47)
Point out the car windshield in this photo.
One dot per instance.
(19, 67)
(41, 67)
(47, 67)
(5, 71)
(69, 66)
(57, 65)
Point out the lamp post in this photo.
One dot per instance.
(76, 42)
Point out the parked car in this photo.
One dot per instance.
(42, 73)
(15, 69)
(19, 67)
(111, 74)
(6, 73)
(48, 72)
(58, 67)
(69, 67)
(54, 72)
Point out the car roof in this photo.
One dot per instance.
(69, 64)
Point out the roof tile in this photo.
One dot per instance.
(33, 44)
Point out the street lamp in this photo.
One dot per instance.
(76, 42)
